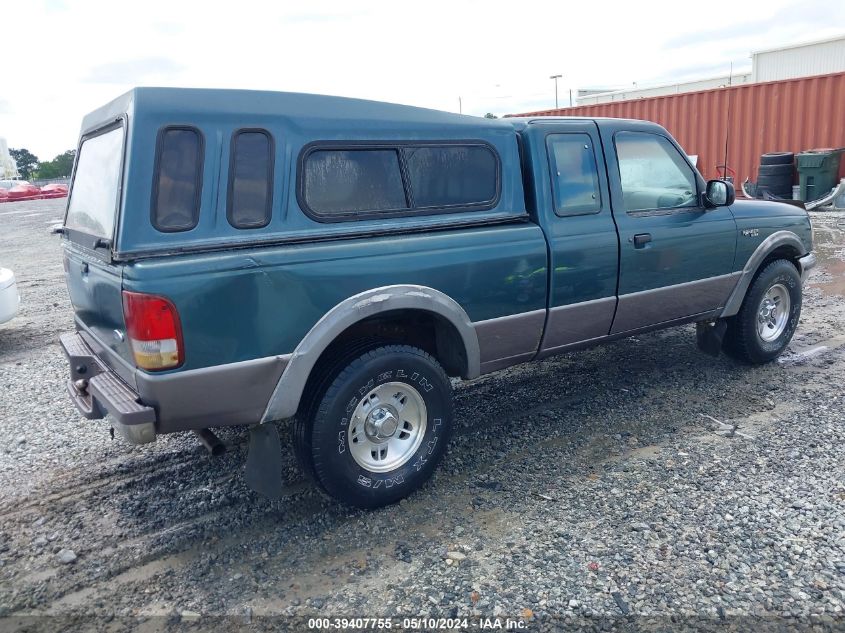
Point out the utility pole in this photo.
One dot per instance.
(556, 77)
(460, 106)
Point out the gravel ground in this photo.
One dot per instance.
(639, 482)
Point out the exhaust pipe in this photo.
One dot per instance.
(211, 442)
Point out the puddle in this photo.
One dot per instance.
(797, 357)
(829, 235)
(835, 268)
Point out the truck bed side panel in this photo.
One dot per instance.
(245, 304)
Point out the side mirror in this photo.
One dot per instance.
(719, 193)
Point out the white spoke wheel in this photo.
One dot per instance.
(376, 422)
(387, 427)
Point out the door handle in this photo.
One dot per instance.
(641, 239)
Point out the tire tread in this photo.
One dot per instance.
(326, 372)
(739, 341)
(334, 376)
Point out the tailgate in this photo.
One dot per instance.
(95, 288)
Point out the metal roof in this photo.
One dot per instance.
(835, 38)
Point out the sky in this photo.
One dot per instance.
(65, 58)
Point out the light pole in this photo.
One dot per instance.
(556, 77)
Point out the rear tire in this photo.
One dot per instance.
(765, 323)
(376, 426)
(775, 171)
(777, 158)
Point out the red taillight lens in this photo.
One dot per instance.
(155, 335)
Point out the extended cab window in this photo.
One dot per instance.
(654, 175)
(93, 198)
(353, 181)
(178, 179)
(250, 179)
(575, 178)
(457, 175)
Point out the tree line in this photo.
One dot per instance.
(30, 167)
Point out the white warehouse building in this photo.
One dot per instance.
(799, 60)
(786, 62)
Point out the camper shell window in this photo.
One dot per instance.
(177, 182)
(250, 179)
(95, 191)
(359, 181)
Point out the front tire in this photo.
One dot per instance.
(376, 427)
(765, 323)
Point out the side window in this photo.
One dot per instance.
(250, 179)
(178, 179)
(397, 178)
(654, 175)
(575, 178)
(460, 175)
(343, 182)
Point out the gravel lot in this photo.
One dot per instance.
(582, 489)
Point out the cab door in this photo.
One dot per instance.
(574, 212)
(676, 257)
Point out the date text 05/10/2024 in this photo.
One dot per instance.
(417, 624)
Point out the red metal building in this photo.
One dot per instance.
(777, 116)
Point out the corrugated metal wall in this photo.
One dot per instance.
(816, 58)
(790, 115)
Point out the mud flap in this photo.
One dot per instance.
(264, 461)
(709, 336)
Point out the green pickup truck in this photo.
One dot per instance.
(241, 258)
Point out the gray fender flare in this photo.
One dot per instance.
(775, 240)
(286, 396)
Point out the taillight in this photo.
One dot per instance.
(155, 334)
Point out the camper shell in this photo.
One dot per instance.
(295, 123)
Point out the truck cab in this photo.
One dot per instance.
(657, 250)
(245, 258)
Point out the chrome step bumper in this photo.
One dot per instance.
(96, 391)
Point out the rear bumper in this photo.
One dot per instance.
(96, 391)
(167, 402)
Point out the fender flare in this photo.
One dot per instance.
(286, 396)
(775, 240)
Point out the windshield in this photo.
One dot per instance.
(93, 198)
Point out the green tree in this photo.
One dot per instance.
(26, 160)
(490, 115)
(59, 167)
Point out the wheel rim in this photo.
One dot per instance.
(387, 427)
(773, 313)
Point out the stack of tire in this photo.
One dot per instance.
(776, 175)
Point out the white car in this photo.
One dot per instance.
(9, 297)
